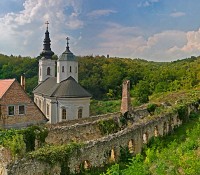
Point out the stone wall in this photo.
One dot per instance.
(86, 129)
(98, 152)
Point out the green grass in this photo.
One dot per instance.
(103, 107)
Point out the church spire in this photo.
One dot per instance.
(47, 53)
(67, 48)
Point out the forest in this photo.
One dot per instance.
(177, 153)
(103, 77)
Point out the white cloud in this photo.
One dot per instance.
(147, 3)
(177, 14)
(131, 42)
(23, 32)
(99, 13)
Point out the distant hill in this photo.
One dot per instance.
(103, 76)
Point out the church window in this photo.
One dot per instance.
(64, 114)
(80, 112)
(21, 109)
(76, 70)
(47, 109)
(40, 71)
(11, 110)
(63, 69)
(48, 71)
(70, 69)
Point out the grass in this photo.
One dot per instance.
(103, 107)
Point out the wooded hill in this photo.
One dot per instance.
(103, 76)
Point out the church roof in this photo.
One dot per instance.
(67, 55)
(5, 85)
(68, 88)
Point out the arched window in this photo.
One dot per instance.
(131, 146)
(76, 70)
(80, 112)
(145, 138)
(64, 114)
(48, 71)
(63, 69)
(156, 133)
(70, 69)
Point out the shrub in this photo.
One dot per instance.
(108, 126)
(151, 108)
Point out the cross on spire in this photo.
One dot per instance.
(47, 23)
(67, 42)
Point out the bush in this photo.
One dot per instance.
(151, 108)
(108, 126)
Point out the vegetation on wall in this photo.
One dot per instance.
(109, 126)
(23, 140)
(174, 154)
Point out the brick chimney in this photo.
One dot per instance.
(126, 100)
(23, 81)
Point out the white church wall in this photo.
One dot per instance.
(43, 65)
(65, 69)
(72, 105)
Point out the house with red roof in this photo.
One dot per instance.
(16, 108)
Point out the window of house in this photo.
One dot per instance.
(64, 114)
(63, 69)
(80, 112)
(11, 110)
(47, 109)
(21, 110)
(48, 71)
(70, 69)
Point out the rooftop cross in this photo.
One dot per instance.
(67, 42)
(47, 23)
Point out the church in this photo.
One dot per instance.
(58, 94)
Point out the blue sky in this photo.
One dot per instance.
(158, 30)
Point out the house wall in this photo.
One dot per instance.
(17, 96)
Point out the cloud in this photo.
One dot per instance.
(147, 3)
(22, 32)
(99, 13)
(177, 14)
(124, 41)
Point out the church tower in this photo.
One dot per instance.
(46, 64)
(67, 65)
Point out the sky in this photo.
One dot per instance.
(154, 30)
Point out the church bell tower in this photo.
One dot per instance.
(46, 64)
(67, 65)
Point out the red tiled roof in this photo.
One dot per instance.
(4, 86)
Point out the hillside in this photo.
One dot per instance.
(103, 76)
